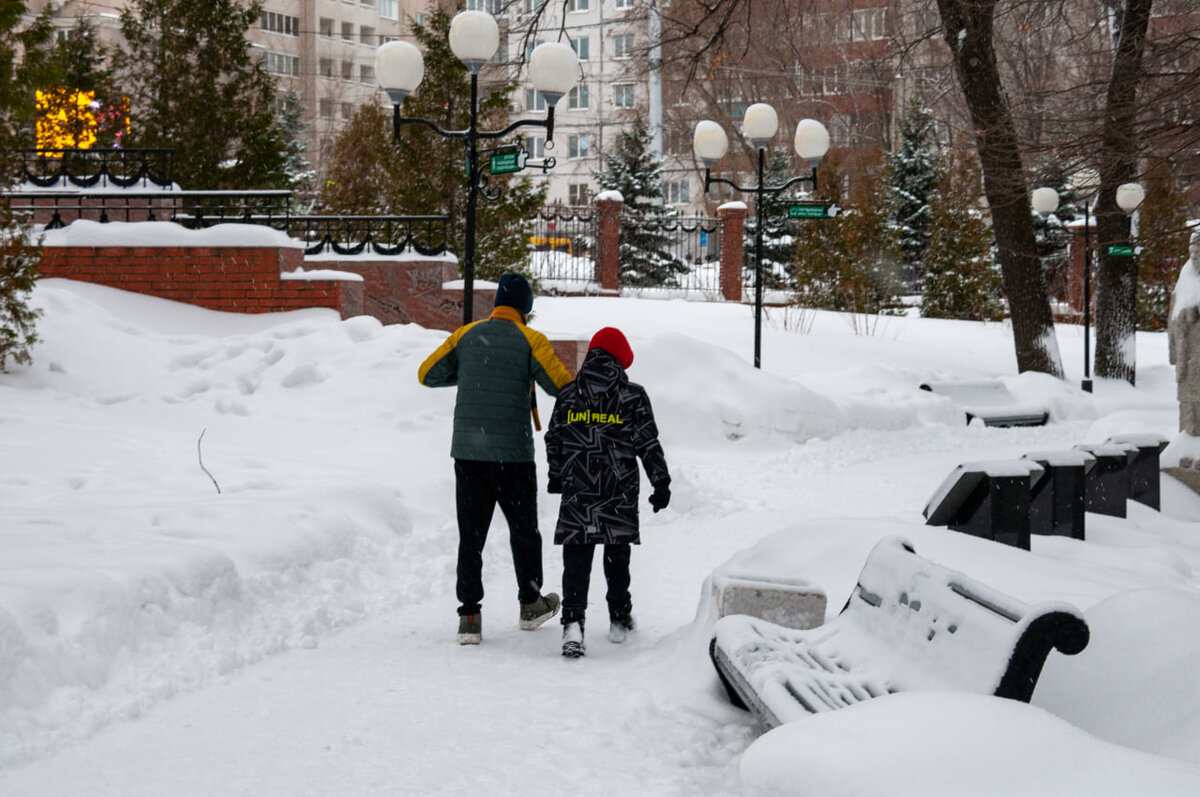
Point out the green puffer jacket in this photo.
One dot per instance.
(494, 363)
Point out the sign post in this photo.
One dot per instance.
(812, 210)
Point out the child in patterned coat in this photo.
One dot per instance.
(601, 426)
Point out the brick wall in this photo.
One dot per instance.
(231, 278)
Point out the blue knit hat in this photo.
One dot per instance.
(513, 291)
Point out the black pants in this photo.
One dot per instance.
(480, 486)
(577, 573)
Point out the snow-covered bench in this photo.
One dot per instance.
(990, 402)
(909, 624)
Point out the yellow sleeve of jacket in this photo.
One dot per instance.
(549, 372)
(440, 369)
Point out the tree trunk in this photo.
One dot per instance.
(967, 27)
(1116, 282)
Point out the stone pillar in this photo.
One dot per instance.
(608, 240)
(733, 224)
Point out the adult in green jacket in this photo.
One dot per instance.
(494, 363)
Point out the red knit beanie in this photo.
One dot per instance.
(612, 341)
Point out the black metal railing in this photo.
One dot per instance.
(383, 235)
(343, 235)
(562, 244)
(691, 245)
(92, 168)
(192, 209)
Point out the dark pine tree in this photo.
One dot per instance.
(635, 172)
(195, 86)
(915, 172)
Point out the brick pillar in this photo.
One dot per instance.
(733, 223)
(608, 240)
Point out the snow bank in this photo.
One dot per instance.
(917, 745)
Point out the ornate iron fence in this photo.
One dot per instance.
(91, 168)
(562, 249)
(383, 235)
(690, 244)
(343, 235)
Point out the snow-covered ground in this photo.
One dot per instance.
(293, 634)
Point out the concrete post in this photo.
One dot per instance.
(733, 223)
(608, 240)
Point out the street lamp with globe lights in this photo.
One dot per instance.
(759, 125)
(474, 38)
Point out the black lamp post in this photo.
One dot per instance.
(474, 39)
(760, 124)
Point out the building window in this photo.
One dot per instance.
(389, 9)
(280, 23)
(326, 28)
(537, 148)
(534, 101)
(577, 5)
(366, 36)
(870, 24)
(348, 32)
(419, 20)
(533, 6)
(624, 4)
(581, 46)
(326, 107)
(347, 111)
(280, 64)
(366, 74)
(622, 45)
(577, 146)
(577, 193)
(623, 95)
(679, 192)
(493, 7)
(347, 70)
(326, 67)
(578, 97)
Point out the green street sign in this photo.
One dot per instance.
(1122, 250)
(507, 162)
(812, 210)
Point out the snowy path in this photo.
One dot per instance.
(393, 706)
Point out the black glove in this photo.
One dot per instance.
(660, 497)
(555, 485)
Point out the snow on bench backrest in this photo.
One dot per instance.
(931, 627)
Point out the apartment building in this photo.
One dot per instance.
(618, 84)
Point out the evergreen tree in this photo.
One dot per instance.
(18, 258)
(915, 172)
(300, 174)
(634, 171)
(196, 86)
(1163, 234)
(1053, 238)
(850, 263)
(961, 278)
(424, 173)
(779, 240)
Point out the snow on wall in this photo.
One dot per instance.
(83, 232)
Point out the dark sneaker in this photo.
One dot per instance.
(538, 612)
(470, 629)
(620, 628)
(573, 646)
